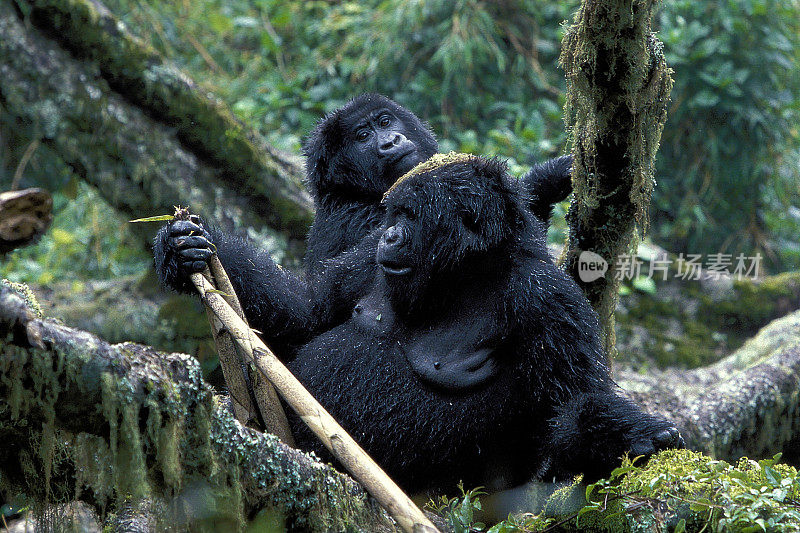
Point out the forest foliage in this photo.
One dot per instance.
(485, 75)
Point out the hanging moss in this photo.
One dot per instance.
(160, 435)
(618, 86)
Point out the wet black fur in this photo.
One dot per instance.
(478, 264)
(289, 309)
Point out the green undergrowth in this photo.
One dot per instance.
(676, 490)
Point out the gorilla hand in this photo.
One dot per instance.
(180, 249)
(661, 435)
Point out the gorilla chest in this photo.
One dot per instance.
(457, 351)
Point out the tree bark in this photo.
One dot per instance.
(618, 86)
(24, 217)
(134, 126)
(744, 405)
(83, 418)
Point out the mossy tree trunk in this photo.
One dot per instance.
(81, 418)
(114, 112)
(618, 85)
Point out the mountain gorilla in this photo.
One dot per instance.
(472, 357)
(353, 156)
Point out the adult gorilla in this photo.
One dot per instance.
(472, 357)
(353, 156)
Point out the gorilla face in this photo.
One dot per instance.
(361, 149)
(380, 141)
(445, 224)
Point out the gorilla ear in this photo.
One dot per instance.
(319, 147)
(495, 210)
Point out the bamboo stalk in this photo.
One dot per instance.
(360, 465)
(267, 400)
(229, 361)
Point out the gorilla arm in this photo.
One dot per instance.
(546, 184)
(287, 309)
(594, 424)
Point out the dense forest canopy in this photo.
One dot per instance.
(486, 77)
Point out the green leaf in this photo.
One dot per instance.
(159, 218)
(704, 98)
(219, 22)
(698, 507)
(779, 495)
(217, 291)
(269, 42)
(645, 284)
(772, 476)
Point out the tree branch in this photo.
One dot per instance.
(84, 418)
(159, 430)
(745, 405)
(134, 126)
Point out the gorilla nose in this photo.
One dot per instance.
(389, 143)
(392, 236)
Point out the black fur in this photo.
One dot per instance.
(461, 273)
(346, 182)
(347, 179)
(547, 184)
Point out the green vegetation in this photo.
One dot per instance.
(728, 167)
(485, 75)
(677, 490)
(88, 240)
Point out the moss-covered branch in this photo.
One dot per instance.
(133, 125)
(693, 323)
(618, 88)
(746, 404)
(113, 424)
(82, 418)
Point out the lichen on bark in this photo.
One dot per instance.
(120, 423)
(618, 86)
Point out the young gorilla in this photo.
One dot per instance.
(353, 156)
(473, 357)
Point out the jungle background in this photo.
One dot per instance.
(485, 75)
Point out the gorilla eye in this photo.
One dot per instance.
(362, 135)
(384, 121)
(409, 214)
